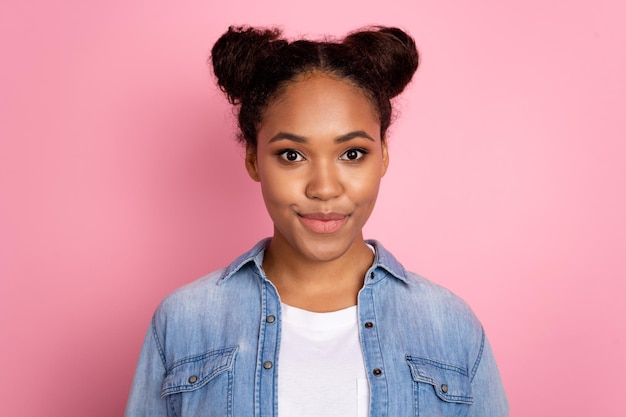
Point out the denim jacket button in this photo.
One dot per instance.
(193, 379)
(267, 365)
(270, 319)
(377, 372)
(369, 324)
(444, 388)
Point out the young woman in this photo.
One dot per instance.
(315, 321)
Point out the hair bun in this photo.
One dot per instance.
(236, 55)
(253, 65)
(389, 52)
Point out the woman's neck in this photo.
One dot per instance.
(319, 286)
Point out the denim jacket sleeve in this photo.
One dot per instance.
(488, 391)
(145, 396)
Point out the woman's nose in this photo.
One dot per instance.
(324, 182)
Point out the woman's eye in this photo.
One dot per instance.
(291, 156)
(353, 154)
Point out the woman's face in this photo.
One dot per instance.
(319, 159)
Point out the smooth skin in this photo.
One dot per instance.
(320, 159)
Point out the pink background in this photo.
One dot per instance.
(120, 181)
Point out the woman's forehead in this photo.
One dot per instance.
(319, 96)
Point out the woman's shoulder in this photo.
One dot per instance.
(437, 297)
(422, 297)
(192, 295)
(385, 260)
(218, 288)
(429, 308)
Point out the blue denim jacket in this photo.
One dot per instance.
(213, 348)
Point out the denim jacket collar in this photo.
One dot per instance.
(383, 259)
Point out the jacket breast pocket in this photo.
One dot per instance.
(201, 385)
(440, 389)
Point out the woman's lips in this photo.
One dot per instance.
(323, 222)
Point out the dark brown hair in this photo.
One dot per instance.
(254, 65)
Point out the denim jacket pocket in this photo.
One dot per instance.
(440, 389)
(201, 384)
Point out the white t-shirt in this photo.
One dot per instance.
(321, 372)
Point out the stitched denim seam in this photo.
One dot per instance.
(480, 355)
(158, 344)
(178, 388)
(440, 365)
(230, 350)
(229, 399)
(429, 380)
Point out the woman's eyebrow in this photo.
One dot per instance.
(288, 136)
(352, 135)
(302, 139)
